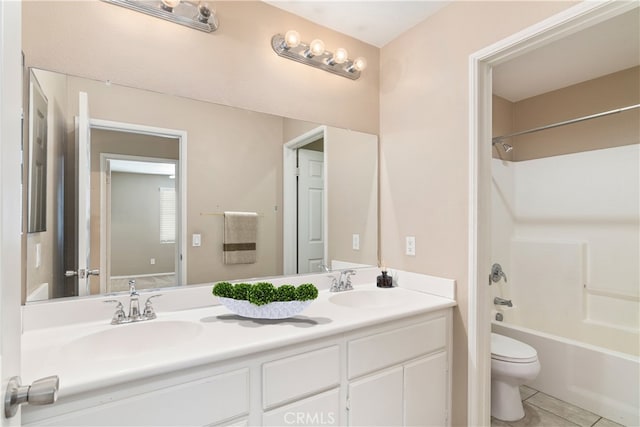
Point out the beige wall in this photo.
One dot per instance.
(234, 163)
(135, 224)
(233, 66)
(424, 146)
(613, 91)
(617, 90)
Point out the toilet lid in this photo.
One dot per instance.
(510, 350)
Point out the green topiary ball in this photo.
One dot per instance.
(241, 291)
(286, 293)
(262, 293)
(223, 289)
(306, 292)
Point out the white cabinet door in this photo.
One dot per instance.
(204, 402)
(376, 400)
(425, 391)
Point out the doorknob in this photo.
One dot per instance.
(81, 273)
(42, 392)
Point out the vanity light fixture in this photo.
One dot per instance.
(291, 47)
(193, 14)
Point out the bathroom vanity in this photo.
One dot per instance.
(374, 357)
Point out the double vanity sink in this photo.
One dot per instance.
(112, 362)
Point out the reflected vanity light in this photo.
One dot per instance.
(291, 47)
(193, 14)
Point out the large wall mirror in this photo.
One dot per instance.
(138, 184)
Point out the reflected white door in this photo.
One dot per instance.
(310, 210)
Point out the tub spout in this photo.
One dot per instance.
(502, 301)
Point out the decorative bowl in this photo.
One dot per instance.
(273, 310)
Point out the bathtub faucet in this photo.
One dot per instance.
(502, 301)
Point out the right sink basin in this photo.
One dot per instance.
(371, 298)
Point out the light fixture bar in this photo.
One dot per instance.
(186, 13)
(323, 61)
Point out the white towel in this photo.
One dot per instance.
(240, 233)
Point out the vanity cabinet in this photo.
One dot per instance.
(397, 376)
(392, 374)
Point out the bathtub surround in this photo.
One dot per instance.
(570, 242)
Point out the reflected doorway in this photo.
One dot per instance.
(140, 215)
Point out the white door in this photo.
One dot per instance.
(310, 211)
(10, 191)
(83, 138)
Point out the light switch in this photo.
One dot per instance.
(411, 246)
(38, 255)
(197, 240)
(356, 242)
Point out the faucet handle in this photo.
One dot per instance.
(149, 312)
(347, 281)
(119, 316)
(334, 283)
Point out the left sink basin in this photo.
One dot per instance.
(124, 341)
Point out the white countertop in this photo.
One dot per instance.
(220, 335)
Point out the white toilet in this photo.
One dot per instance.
(512, 364)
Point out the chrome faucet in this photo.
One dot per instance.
(120, 317)
(134, 304)
(502, 301)
(343, 283)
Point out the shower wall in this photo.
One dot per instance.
(570, 244)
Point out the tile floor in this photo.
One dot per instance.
(541, 410)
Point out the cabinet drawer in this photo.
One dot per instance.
(385, 349)
(298, 376)
(320, 410)
(204, 402)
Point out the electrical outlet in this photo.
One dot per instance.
(197, 240)
(152, 261)
(411, 246)
(355, 242)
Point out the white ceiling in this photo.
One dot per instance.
(372, 21)
(149, 168)
(602, 49)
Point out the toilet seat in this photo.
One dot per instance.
(509, 350)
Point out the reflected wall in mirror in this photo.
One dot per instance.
(232, 161)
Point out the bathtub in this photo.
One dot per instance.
(599, 380)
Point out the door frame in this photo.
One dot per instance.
(181, 181)
(289, 198)
(565, 23)
(105, 212)
(11, 262)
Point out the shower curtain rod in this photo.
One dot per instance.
(499, 139)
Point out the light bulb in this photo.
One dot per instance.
(340, 56)
(291, 39)
(359, 63)
(170, 4)
(316, 47)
